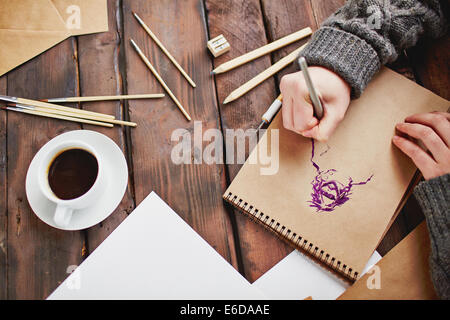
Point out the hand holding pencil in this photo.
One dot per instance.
(298, 111)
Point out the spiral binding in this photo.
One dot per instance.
(292, 238)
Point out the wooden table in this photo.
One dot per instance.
(33, 256)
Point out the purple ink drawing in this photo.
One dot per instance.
(328, 193)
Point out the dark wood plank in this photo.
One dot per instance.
(324, 8)
(38, 255)
(99, 59)
(409, 217)
(241, 22)
(431, 62)
(193, 190)
(285, 17)
(3, 197)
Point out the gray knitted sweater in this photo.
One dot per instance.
(355, 42)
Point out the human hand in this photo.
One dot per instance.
(298, 111)
(433, 130)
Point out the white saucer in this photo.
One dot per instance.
(115, 169)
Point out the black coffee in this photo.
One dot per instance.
(72, 173)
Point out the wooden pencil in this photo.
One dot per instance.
(56, 116)
(105, 98)
(166, 52)
(161, 81)
(249, 85)
(252, 55)
(75, 115)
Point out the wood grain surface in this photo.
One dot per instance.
(104, 51)
(38, 255)
(34, 257)
(193, 191)
(431, 64)
(283, 17)
(3, 197)
(242, 24)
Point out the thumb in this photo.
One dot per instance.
(328, 124)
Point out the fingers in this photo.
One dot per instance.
(428, 136)
(420, 158)
(311, 133)
(439, 121)
(297, 113)
(433, 129)
(286, 112)
(329, 123)
(303, 115)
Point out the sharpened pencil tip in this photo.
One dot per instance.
(229, 99)
(138, 18)
(261, 125)
(134, 44)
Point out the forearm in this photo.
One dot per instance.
(364, 35)
(434, 198)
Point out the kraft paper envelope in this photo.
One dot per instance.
(30, 27)
(93, 15)
(403, 274)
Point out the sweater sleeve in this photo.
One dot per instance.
(363, 35)
(434, 198)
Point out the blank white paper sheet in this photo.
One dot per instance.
(154, 254)
(297, 277)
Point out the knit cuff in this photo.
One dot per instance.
(434, 198)
(345, 54)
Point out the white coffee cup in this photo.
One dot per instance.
(65, 208)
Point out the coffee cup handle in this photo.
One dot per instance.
(62, 215)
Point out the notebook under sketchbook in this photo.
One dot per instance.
(404, 272)
(337, 205)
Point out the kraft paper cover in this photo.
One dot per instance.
(404, 272)
(30, 27)
(360, 147)
(94, 15)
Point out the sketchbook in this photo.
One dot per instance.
(334, 201)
